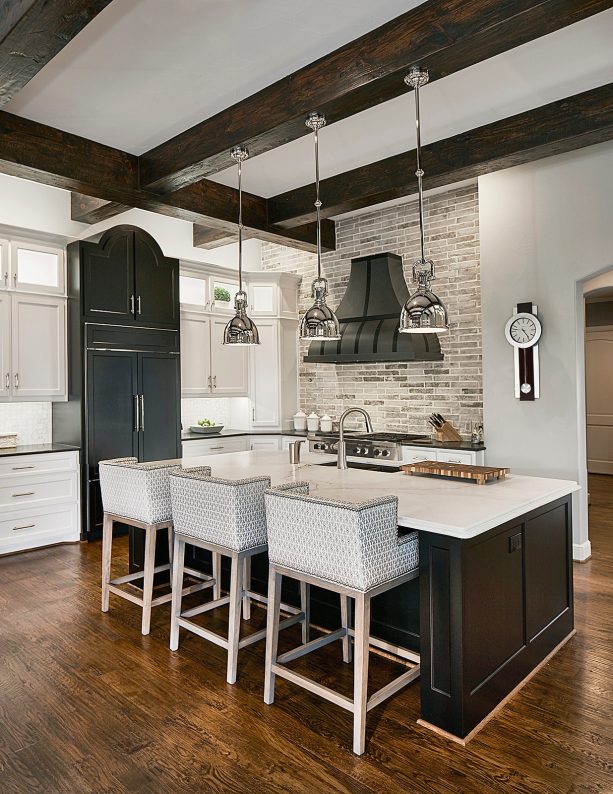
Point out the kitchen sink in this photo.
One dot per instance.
(368, 466)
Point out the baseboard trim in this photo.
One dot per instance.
(582, 551)
(464, 741)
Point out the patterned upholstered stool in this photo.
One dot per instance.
(354, 550)
(138, 494)
(228, 518)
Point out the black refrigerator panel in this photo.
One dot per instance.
(160, 406)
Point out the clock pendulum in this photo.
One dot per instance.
(523, 331)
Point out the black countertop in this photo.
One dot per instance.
(188, 435)
(36, 449)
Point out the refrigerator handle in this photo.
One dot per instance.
(136, 415)
(142, 411)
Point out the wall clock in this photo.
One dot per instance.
(523, 331)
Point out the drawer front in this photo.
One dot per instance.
(217, 446)
(23, 529)
(417, 454)
(465, 458)
(20, 465)
(43, 489)
(265, 442)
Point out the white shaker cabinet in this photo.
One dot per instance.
(33, 347)
(208, 367)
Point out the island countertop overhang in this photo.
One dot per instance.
(453, 508)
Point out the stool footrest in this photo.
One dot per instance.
(394, 686)
(132, 577)
(396, 650)
(204, 633)
(313, 645)
(313, 686)
(220, 602)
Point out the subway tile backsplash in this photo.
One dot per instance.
(31, 421)
(400, 396)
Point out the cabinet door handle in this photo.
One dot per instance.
(27, 493)
(6, 279)
(142, 411)
(136, 415)
(217, 447)
(138, 311)
(7, 380)
(210, 383)
(25, 526)
(214, 381)
(20, 468)
(15, 280)
(131, 304)
(16, 380)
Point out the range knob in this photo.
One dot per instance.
(316, 445)
(324, 446)
(377, 453)
(385, 453)
(358, 450)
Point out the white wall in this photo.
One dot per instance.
(545, 228)
(31, 207)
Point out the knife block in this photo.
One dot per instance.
(448, 433)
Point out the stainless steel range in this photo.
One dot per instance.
(383, 447)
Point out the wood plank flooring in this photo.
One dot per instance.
(89, 705)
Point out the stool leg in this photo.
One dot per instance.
(360, 681)
(170, 547)
(150, 536)
(177, 591)
(305, 606)
(234, 628)
(272, 633)
(107, 544)
(216, 575)
(246, 586)
(345, 624)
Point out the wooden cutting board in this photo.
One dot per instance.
(480, 474)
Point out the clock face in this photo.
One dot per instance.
(523, 330)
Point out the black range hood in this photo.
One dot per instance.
(369, 314)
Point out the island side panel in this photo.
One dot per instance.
(492, 608)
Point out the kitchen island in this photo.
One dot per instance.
(494, 598)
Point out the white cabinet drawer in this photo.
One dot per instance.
(465, 458)
(19, 465)
(16, 492)
(417, 454)
(38, 526)
(215, 446)
(265, 442)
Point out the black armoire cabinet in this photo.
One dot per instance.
(124, 363)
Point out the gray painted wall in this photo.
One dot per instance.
(545, 228)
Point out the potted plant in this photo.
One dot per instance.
(222, 296)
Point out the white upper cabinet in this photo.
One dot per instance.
(263, 300)
(229, 364)
(38, 347)
(265, 377)
(195, 354)
(5, 266)
(36, 268)
(5, 346)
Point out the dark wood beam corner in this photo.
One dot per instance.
(444, 37)
(32, 32)
(303, 238)
(87, 209)
(209, 237)
(556, 128)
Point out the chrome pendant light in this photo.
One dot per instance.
(319, 322)
(424, 312)
(241, 330)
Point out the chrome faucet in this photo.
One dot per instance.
(341, 459)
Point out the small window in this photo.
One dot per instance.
(192, 291)
(37, 268)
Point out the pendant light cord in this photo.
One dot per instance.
(317, 201)
(240, 225)
(419, 174)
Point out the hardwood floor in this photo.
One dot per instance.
(89, 705)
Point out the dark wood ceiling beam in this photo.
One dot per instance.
(445, 37)
(43, 154)
(87, 209)
(32, 32)
(562, 126)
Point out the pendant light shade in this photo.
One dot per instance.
(319, 322)
(424, 311)
(241, 330)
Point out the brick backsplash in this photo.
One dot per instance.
(400, 396)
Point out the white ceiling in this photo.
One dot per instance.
(145, 70)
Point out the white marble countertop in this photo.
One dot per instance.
(449, 507)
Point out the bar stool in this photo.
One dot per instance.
(226, 517)
(351, 549)
(138, 494)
